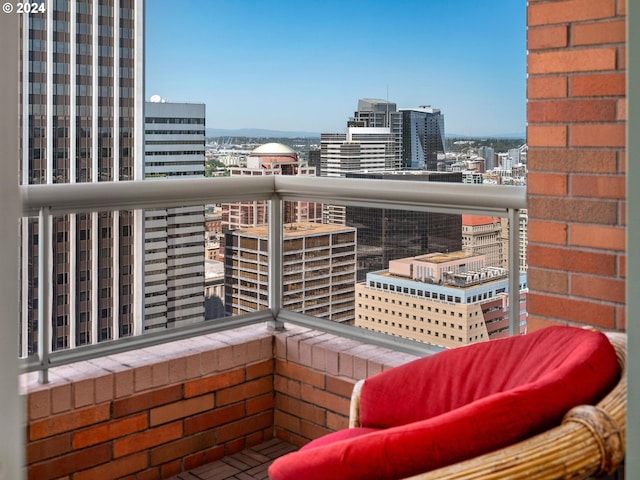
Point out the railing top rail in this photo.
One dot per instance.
(402, 193)
(145, 194)
(129, 195)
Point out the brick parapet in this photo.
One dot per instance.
(156, 412)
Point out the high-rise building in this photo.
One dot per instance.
(376, 113)
(360, 149)
(387, 234)
(270, 159)
(314, 160)
(489, 155)
(82, 121)
(422, 138)
(318, 270)
(482, 235)
(174, 237)
(514, 156)
(443, 299)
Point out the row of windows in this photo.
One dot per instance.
(434, 295)
(175, 142)
(174, 132)
(181, 152)
(416, 329)
(179, 121)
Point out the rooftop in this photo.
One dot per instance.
(296, 229)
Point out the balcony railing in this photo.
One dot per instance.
(46, 201)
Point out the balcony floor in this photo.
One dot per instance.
(250, 464)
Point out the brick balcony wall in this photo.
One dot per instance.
(155, 412)
(576, 115)
(314, 376)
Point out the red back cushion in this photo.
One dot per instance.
(480, 398)
(565, 357)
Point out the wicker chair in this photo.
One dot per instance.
(590, 441)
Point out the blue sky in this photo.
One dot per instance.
(303, 65)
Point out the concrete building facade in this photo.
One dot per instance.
(174, 237)
(442, 299)
(370, 149)
(482, 235)
(377, 113)
(319, 272)
(81, 122)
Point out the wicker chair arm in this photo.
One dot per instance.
(354, 408)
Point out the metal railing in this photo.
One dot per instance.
(47, 201)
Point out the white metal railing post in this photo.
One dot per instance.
(275, 236)
(45, 269)
(514, 271)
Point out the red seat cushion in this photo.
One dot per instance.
(461, 403)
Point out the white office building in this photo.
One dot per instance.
(174, 267)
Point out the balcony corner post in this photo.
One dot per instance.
(275, 236)
(45, 269)
(514, 271)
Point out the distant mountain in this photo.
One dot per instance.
(498, 135)
(258, 132)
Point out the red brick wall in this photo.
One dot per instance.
(314, 376)
(576, 116)
(152, 413)
(155, 412)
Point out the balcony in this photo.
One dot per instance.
(580, 163)
(160, 403)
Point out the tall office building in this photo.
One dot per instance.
(482, 235)
(387, 234)
(318, 265)
(376, 113)
(489, 155)
(369, 149)
(81, 121)
(422, 138)
(174, 269)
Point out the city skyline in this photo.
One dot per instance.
(259, 65)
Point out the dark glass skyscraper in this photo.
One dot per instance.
(386, 234)
(422, 138)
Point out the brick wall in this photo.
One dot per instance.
(576, 116)
(151, 413)
(155, 412)
(314, 376)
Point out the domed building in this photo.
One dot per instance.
(270, 159)
(274, 156)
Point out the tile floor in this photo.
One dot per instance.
(250, 464)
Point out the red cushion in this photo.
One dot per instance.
(459, 376)
(471, 400)
(346, 434)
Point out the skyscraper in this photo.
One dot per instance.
(489, 155)
(378, 113)
(81, 120)
(174, 237)
(422, 138)
(370, 149)
(318, 266)
(482, 235)
(387, 234)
